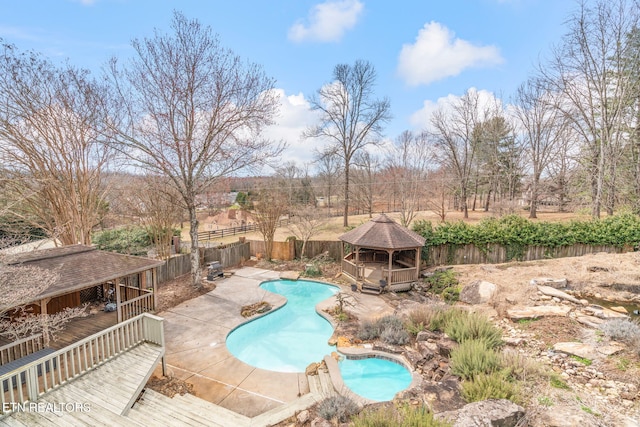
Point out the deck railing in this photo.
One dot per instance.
(34, 379)
(136, 306)
(21, 348)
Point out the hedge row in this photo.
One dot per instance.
(619, 230)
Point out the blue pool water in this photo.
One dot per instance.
(373, 378)
(290, 338)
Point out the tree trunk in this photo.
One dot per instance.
(464, 203)
(196, 268)
(533, 206)
(345, 220)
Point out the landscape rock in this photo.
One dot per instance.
(619, 309)
(611, 348)
(290, 275)
(478, 292)
(561, 416)
(576, 348)
(553, 292)
(536, 312)
(320, 422)
(487, 413)
(548, 281)
(427, 335)
(413, 357)
(443, 396)
(312, 369)
(445, 346)
(591, 321)
(603, 313)
(303, 416)
(427, 349)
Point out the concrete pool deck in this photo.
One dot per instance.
(195, 333)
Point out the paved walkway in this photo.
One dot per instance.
(195, 333)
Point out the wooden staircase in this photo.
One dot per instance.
(99, 397)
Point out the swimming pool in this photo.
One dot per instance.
(295, 335)
(290, 338)
(374, 378)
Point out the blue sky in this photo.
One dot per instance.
(424, 51)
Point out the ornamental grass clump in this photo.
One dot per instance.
(623, 329)
(494, 385)
(474, 326)
(389, 329)
(403, 416)
(473, 357)
(339, 408)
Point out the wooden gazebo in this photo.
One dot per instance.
(382, 252)
(86, 274)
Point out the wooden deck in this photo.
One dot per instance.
(83, 327)
(80, 328)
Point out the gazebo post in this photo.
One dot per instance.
(357, 263)
(417, 263)
(390, 253)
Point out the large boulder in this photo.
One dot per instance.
(443, 396)
(563, 415)
(487, 413)
(478, 292)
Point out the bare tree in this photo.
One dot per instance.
(51, 122)
(453, 135)
(20, 285)
(350, 118)
(269, 206)
(542, 126)
(407, 162)
(329, 170)
(306, 223)
(589, 70)
(158, 207)
(195, 112)
(366, 168)
(439, 186)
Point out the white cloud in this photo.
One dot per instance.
(437, 54)
(295, 117)
(327, 21)
(421, 119)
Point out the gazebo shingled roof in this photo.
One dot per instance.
(82, 266)
(383, 233)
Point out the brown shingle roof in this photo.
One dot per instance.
(383, 233)
(82, 267)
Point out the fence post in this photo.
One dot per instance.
(32, 383)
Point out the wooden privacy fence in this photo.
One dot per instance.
(317, 247)
(283, 251)
(495, 254)
(228, 256)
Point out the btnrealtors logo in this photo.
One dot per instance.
(45, 407)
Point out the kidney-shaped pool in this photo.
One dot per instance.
(290, 338)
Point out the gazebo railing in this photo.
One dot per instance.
(349, 268)
(400, 275)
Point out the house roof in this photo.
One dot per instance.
(383, 233)
(80, 266)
